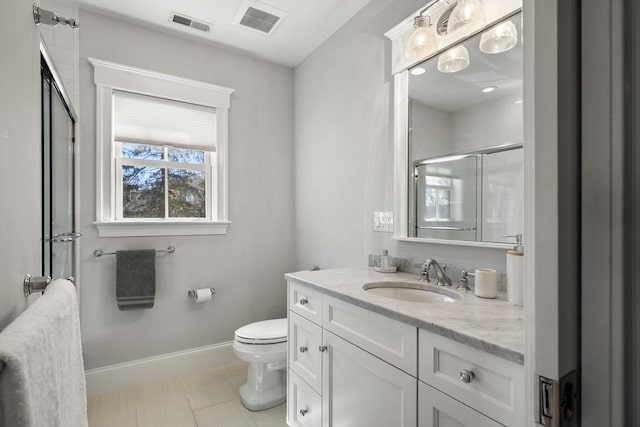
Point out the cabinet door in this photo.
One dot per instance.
(303, 403)
(361, 390)
(305, 358)
(495, 389)
(305, 301)
(439, 410)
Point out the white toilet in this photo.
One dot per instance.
(264, 346)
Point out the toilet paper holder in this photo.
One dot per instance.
(193, 293)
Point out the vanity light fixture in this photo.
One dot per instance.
(421, 42)
(453, 60)
(418, 71)
(465, 13)
(500, 38)
(489, 89)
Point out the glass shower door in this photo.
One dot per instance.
(58, 181)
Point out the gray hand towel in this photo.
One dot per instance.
(135, 279)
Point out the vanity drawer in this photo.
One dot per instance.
(436, 409)
(389, 339)
(305, 357)
(495, 386)
(305, 301)
(304, 405)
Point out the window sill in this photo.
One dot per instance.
(160, 228)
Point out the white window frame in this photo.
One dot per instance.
(108, 77)
(208, 167)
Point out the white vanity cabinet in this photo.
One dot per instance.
(352, 384)
(350, 366)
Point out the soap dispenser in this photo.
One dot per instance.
(386, 263)
(515, 270)
(384, 259)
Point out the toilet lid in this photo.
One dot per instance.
(265, 332)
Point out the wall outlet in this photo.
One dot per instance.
(383, 221)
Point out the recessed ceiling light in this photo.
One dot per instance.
(519, 101)
(489, 89)
(418, 71)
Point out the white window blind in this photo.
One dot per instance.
(148, 119)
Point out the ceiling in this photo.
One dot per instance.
(305, 26)
(455, 91)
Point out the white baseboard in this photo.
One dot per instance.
(122, 375)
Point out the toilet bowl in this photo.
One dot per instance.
(264, 346)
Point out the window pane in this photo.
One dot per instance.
(142, 192)
(438, 180)
(185, 155)
(141, 151)
(187, 193)
(443, 204)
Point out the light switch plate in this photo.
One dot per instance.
(383, 221)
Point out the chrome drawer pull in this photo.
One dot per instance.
(466, 376)
(323, 348)
(303, 412)
(303, 301)
(303, 349)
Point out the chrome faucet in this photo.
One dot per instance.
(443, 279)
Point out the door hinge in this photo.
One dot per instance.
(558, 402)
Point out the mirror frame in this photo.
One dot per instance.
(401, 183)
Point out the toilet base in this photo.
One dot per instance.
(265, 388)
(266, 400)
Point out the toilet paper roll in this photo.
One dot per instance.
(486, 284)
(203, 294)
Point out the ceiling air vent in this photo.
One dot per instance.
(259, 20)
(189, 22)
(260, 16)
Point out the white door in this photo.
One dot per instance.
(361, 390)
(552, 210)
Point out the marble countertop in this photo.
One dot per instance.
(491, 325)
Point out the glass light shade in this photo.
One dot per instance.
(466, 12)
(500, 38)
(453, 60)
(422, 41)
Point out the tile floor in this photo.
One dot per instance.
(205, 399)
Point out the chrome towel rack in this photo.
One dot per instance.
(99, 252)
(31, 284)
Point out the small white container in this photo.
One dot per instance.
(486, 283)
(515, 272)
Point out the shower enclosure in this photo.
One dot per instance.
(58, 175)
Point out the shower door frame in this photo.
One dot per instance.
(56, 78)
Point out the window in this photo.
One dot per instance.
(161, 153)
(437, 193)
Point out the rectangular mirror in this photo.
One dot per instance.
(465, 138)
(472, 197)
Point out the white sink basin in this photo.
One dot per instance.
(412, 291)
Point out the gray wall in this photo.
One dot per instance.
(247, 265)
(20, 148)
(344, 148)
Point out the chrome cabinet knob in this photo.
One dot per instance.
(303, 349)
(466, 376)
(323, 348)
(303, 412)
(303, 301)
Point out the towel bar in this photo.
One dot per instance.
(31, 285)
(99, 252)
